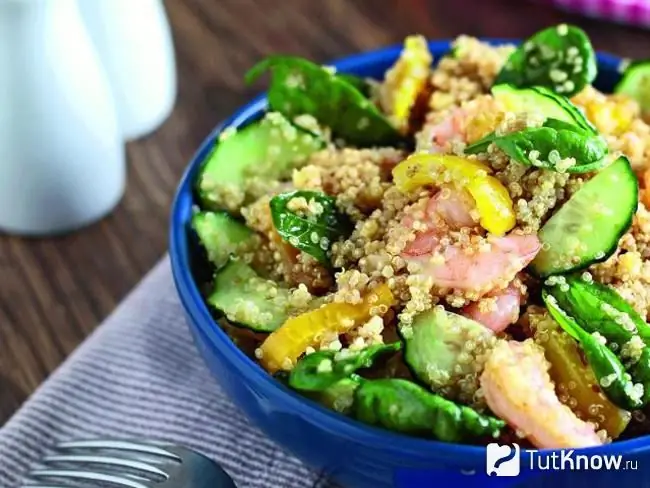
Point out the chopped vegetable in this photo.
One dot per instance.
(557, 145)
(221, 235)
(362, 84)
(577, 386)
(320, 370)
(609, 371)
(636, 83)
(338, 397)
(437, 352)
(493, 203)
(598, 309)
(282, 348)
(300, 87)
(405, 80)
(560, 58)
(422, 169)
(612, 115)
(309, 221)
(587, 228)
(402, 406)
(541, 100)
(247, 299)
(491, 197)
(268, 149)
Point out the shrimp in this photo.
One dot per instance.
(517, 387)
(503, 311)
(479, 271)
(448, 129)
(467, 124)
(454, 265)
(447, 209)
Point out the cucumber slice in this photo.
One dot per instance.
(221, 235)
(636, 83)
(247, 299)
(587, 228)
(543, 101)
(267, 149)
(436, 352)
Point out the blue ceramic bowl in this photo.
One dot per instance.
(352, 453)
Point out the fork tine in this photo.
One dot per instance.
(88, 476)
(154, 448)
(43, 486)
(104, 460)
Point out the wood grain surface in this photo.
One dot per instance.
(54, 292)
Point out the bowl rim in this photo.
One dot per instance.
(340, 425)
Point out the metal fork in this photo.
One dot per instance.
(130, 464)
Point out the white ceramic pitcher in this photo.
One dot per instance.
(134, 41)
(62, 159)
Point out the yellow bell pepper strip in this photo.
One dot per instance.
(406, 79)
(493, 201)
(577, 380)
(285, 345)
(482, 124)
(611, 115)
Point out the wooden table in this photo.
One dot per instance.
(53, 292)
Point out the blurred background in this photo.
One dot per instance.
(54, 290)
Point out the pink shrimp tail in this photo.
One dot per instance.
(503, 312)
(518, 389)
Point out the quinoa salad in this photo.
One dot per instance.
(457, 251)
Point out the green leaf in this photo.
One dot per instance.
(481, 145)
(403, 406)
(320, 370)
(309, 232)
(560, 58)
(339, 396)
(599, 308)
(301, 87)
(609, 371)
(359, 83)
(554, 141)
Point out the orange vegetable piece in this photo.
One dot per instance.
(285, 345)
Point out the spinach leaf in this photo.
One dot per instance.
(546, 146)
(339, 396)
(481, 146)
(359, 83)
(301, 87)
(311, 231)
(598, 308)
(320, 370)
(403, 406)
(609, 371)
(560, 58)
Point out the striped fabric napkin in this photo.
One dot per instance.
(632, 12)
(139, 376)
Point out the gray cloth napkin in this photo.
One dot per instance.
(139, 375)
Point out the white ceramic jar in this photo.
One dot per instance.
(62, 161)
(134, 41)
